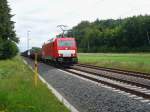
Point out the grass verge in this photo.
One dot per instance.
(134, 62)
(18, 93)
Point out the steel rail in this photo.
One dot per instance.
(122, 88)
(114, 78)
(123, 72)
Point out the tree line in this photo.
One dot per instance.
(130, 34)
(8, 39)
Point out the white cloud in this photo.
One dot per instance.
(42, 16)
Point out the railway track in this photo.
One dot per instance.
(91, 73)
(135, 88)
(133, 80)
(97, 96)
(123, 72)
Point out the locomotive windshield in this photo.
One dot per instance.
(66, 43)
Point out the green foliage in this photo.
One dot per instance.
(36, 49)
(18, 92)
(7, 33)
(8, 49)
(121, 35)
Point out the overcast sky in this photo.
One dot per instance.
(42, 16)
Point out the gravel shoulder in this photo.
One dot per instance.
(87, 96)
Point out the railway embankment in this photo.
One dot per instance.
(88, 96)
(18, 92)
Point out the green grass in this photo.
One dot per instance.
(135, 62)
(18, 93)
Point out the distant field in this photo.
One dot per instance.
(136, 62)
(18, 93)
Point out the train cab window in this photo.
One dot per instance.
(67, 43)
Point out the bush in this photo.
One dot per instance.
(8, 49)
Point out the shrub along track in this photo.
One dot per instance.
(131, 82)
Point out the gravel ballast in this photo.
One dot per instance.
(117, 75)
(87, 96)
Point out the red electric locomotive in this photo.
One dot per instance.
(62, 50)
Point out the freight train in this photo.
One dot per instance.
(59, 50)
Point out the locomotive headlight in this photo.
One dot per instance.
(73, 54)
(60, 55)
